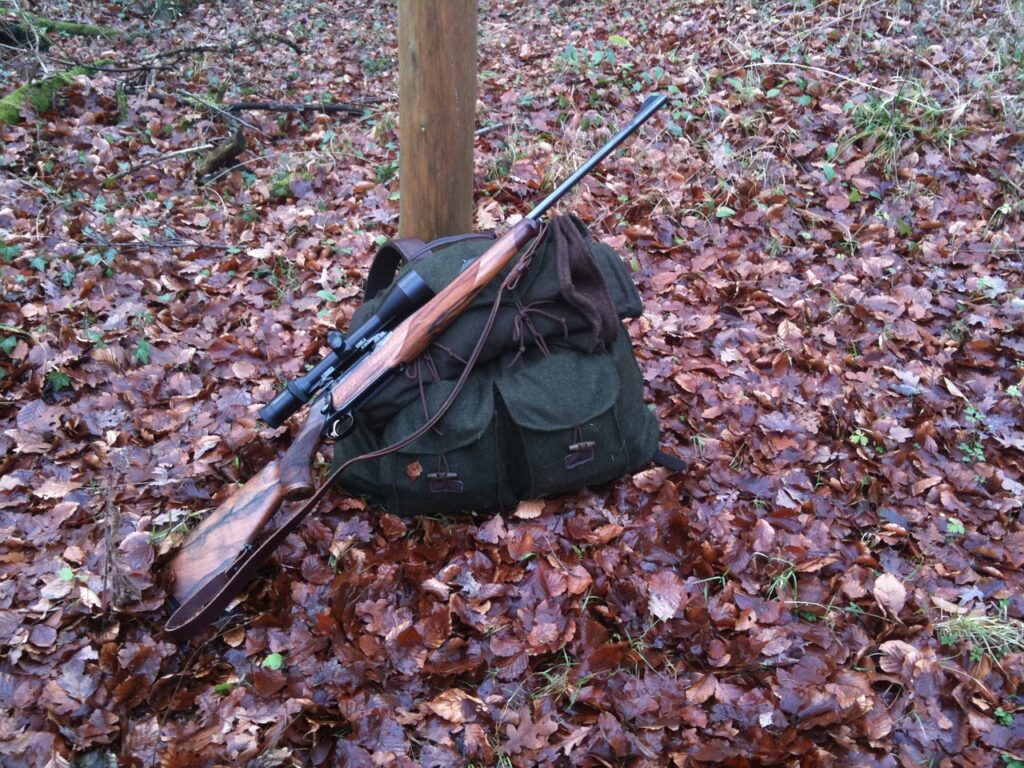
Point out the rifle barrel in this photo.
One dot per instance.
(651, 105)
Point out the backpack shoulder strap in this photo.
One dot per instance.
(668, 461)
(389, 259)
(405, 250)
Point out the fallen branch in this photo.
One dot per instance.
(160, 158)
(278, 106)
(224, 47)
(488, 129)
(283, 41)
(220, 110)
(15, 34)
(222, 155)
(71, 27)
(72, 64)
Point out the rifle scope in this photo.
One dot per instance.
(410, 293)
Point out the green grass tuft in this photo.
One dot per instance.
(986, 635)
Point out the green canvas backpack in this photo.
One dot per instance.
(553, 403)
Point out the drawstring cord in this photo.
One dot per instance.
(523, 321)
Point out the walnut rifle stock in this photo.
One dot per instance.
(226, 549)
(214, 544)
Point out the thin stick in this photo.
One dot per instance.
(159, 158)
(278, 106)
(844, 78)
(487, 129)
(226, 47)
(223, 112)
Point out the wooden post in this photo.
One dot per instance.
(437, 102)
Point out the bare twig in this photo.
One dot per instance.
(278, 106)
(284, 41)
(327, 156)
(488, 129)
(160, 158)
(93, 67)
(193, 49)
(104, 242)
(845, 79)
(225, 47)
(221, 111)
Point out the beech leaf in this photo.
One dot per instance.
(454, 705)
(528, 509)
(665, 594)
(890, 593)
(273, 661)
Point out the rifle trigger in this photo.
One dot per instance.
(338, 425)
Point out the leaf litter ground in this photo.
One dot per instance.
(825, 230)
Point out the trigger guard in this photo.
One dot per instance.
(338, 425)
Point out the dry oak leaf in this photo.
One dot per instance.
(455, 706)
(890, 594)
(528, 734)
(492, 531)
(900, 434)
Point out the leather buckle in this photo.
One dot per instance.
(579, 454)
(444, 482)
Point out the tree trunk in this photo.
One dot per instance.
(437, 100)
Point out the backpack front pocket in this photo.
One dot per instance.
(559, 422)
(457, 464)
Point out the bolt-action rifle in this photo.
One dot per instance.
(225, 550)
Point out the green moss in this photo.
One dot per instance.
(71, 27)
(40, 94)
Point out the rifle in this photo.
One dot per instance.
(226, 549)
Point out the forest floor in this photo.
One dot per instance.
(826, 229)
